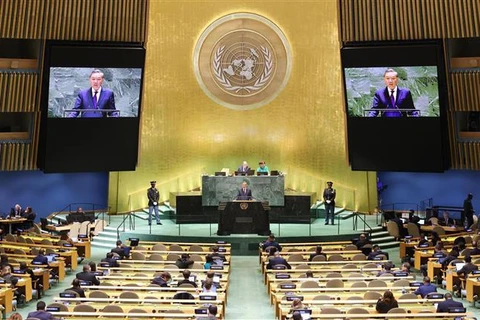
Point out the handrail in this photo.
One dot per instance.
(123, 224)
(426, 203)
(77, 204)
(397, 204)
(128, 214)
(356, 215)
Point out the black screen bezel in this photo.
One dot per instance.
(89, 144)
(397, 144)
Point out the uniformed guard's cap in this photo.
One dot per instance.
(329, 182)
(153, 182)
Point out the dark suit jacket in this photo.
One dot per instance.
(242, 169)
(423, 290)
(278, 260)
(40, 259)
(247, 195)
(80, 291)
(111, 262)
(275, 244)
(448, 303)
(84, 100)
(14, 213)
(467, 207)
(41, 314)
(186, 281)
(88, 276)
(382, 100)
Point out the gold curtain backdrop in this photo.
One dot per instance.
(301, 132)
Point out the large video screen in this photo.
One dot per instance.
(395, 97)
(91, 106)
(94, 92)
(403, 91)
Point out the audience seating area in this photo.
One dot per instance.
(346, 288)
(127, 291)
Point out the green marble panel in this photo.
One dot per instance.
(264, 188)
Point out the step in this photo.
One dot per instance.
(345, 214)
(103, 245)
(382, 239)
(392, 244)
(377, 234)
(100, 238)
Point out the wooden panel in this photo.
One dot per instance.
(120, 20)
(469, 62)
(465, 90)
(18, 91)
(409, 19)
(21, 19)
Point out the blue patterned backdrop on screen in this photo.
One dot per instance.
(66, 83)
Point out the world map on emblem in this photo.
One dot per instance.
(242, 61)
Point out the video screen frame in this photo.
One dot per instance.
(89, 144)
(404, 144)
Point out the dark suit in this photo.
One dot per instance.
(88, 276)
(448, 303)
(106, 101)
(243, 169)
(111, 262)
(41, 314)
(423, 290)
(41, 259)
(275, 244)
(244, 194)
(468, 211)
(16, 213)
(186, 281)
(403, 100)
(277, 260)
(373, 254)
(80, 291)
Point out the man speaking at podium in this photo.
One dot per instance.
(244, 193)
(391, 98)
(95, 97)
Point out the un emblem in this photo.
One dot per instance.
(242, 61)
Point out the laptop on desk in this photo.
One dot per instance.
(459, 266)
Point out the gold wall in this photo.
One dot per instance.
(184, 133)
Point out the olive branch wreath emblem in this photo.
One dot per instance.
(261, 81)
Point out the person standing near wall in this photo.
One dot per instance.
(468, 210)
(153, 197)
(329, 195)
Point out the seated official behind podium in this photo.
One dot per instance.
(244, 193)
(262, 168)
(244, 168)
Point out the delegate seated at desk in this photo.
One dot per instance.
(244, 168)
(244, 193)
(262, 167)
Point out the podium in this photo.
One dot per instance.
(243, 217)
